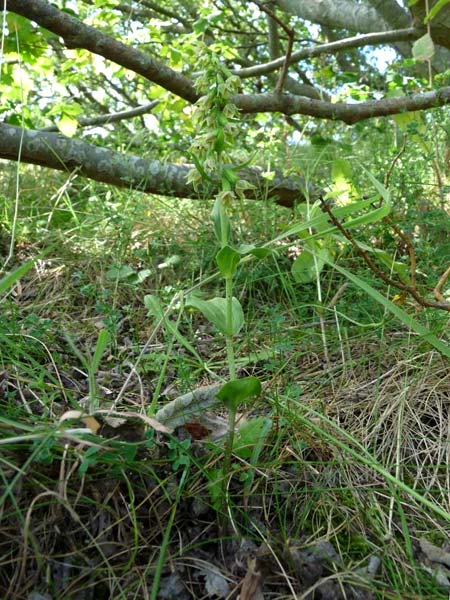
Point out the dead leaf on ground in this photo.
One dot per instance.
(251, 584)
(434, 553)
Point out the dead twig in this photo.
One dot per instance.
(397, 284)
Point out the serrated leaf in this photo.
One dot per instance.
(215, 310)
(227, 260)
(423, 48)
(237, 391)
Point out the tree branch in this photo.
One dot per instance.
(78, 35)
(344, 14)
(370, 39)
(56, 151)
(111, 117)
(349, 113)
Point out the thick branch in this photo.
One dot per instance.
(78, 35)
(344, 14)
(392, 13)
(349, 113)
(55, 151)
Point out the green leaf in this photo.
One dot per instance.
(67, 125)
(384, 257)
(435, 9)
(260, 253)
(403, 120)
(339, 213)
(9, 280)
(384, 193)
(342, 176)
(251, 435)
(227, 260)
(403, 316)
(215, 486)
(423, 48)
(215, 311)
(121, 273)
(216, 217)
(155, 310)
(143, 275)
(309, 264)
(103, 340)
(200, 169)
(237, 391)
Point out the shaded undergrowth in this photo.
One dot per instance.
(122, 511)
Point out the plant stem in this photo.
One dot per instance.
(229, 326)
(232, 372)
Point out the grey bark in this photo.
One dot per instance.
(358, 41)
(55, 151)
(348, 113)
(343, 14)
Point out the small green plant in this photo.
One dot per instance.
(213, 152)
(91, 364)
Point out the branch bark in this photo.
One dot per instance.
(348, 113)
(58, 152)
(370, 39)
(111, 117)
(78, 35)
(344, 14)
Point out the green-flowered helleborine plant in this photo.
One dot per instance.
(213, 152)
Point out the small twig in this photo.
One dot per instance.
(438, 289)
(412, 253)
(111, 117)
(398, 231)
(393, 163)
(334, 300)
(290, 33)
(410, 289)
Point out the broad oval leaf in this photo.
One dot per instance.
(215, 311)
(423, 48)
(153, 306)
(260, 253)
(227, 260)
(309, 264)
(237, 391)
